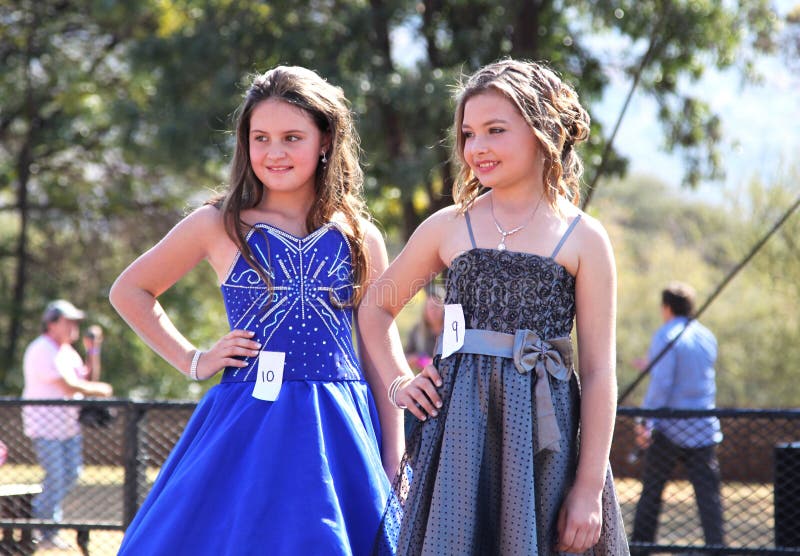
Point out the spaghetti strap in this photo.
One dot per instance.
(564, 237)
(469, 229)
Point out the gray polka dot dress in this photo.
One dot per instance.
(475, 479)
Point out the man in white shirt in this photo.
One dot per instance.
(55, 370)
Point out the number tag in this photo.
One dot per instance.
(270, 375)
(453, 333)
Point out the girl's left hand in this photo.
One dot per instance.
(420, 396)
(579, 521)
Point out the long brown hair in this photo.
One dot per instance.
(552, 110)
(338, 183)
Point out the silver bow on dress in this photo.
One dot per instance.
(530, 352)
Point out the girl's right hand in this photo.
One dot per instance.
(224, 353)
(420, 396)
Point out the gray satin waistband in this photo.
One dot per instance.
(483, 342)
(500, 344)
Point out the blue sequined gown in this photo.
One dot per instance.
(297, 476)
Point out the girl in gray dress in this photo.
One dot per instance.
(510, 454)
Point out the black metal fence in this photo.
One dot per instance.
(125, 443)
(759, 491)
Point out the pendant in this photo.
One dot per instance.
(502, 245)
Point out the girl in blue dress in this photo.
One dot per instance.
(284, 455)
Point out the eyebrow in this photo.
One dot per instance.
(279, 133)
(490, 122)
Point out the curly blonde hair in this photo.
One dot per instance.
(338, 184)
(549, 106)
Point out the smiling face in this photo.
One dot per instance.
(285, 146)
(498, 144)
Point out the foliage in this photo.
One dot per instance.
(115, 119)
(195, 59)
(77, 203)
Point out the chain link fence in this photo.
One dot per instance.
(759, 483)
(89, 494)
(124, 444)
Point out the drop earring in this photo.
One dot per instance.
(324, 158)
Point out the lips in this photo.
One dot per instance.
(486, 166)
(279, 169)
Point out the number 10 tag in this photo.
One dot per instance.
(453, 332)
(270, 375)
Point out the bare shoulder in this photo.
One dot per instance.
(446, 232)
(339, 220)
(590, 247)
(205, 227)
(373, 236)
(590, 230)
(443, 218)
(206, 219)
(587, 243)
(441, 223)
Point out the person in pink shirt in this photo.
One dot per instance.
(55, 370)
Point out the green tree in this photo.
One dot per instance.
(114, 120)
(202, 49)
(74, 202)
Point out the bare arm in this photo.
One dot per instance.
(92, 343)
(595, 297)
(596, 303)
(135, 296)
(416, 265)
(86, 387)
(393, 442)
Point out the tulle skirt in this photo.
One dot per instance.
(474, 482)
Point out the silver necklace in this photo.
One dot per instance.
(504, 234)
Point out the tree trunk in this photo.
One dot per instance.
(437, 202)
(391, 119)
(525, 36)
(446, 171)
(24, 159)
(21, 259)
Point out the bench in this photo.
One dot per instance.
(16, 502)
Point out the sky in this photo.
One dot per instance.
(761, 135)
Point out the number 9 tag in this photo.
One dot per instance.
(453, 332)
(270, 375)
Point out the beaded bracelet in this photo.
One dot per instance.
(398, 383)
(193, 367)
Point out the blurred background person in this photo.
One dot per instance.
(53, 369)
(683, 378)
(94, 415)
(421, 339)
(92, 344)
